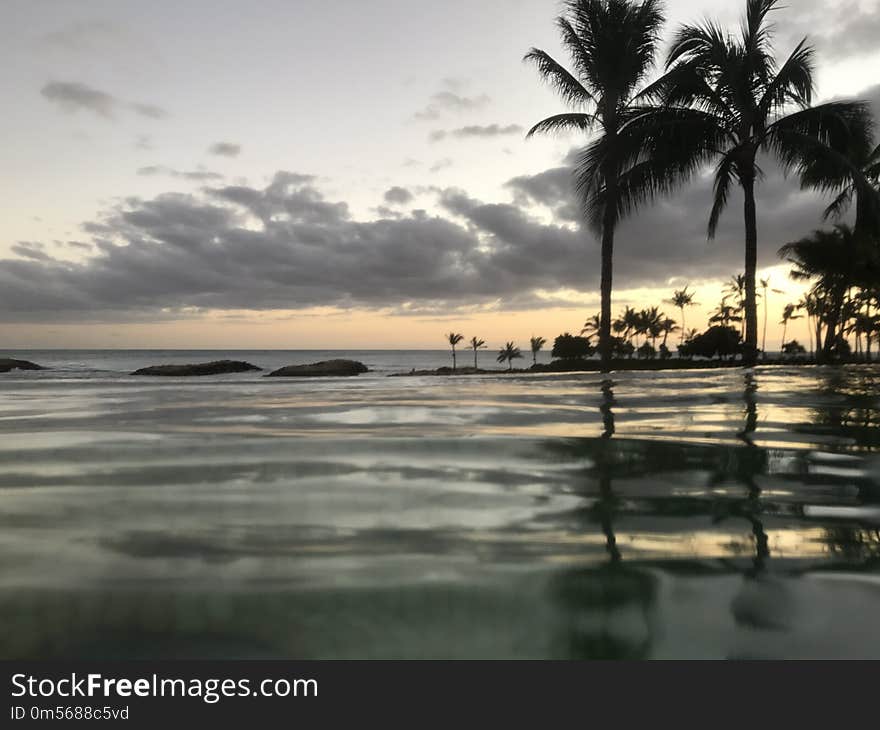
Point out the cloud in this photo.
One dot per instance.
(846, 30)
(478, 131)
(225, 149)
(552, 188)
(398, 196)
(30, 250)
(73, 96)
(286, 246)
(449, 102)
(194, 175)
(443, 164)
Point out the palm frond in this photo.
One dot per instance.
(816, 141)
(724, 176)
(564, 123)
(793, 83)
(572, 91)
(703, 46)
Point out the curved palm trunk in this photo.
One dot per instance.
(453, 357)
(750, 349)
(683, 328)
(475, 360)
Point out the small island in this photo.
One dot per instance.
(324, 369)
(7, 364)
(219, 367)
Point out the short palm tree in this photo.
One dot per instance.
(667, 327)
(592, 327)
(725, 314)
(509, 353)
(477, 344)
(732, 91)
(835, 260)
(682, 299)
(454, 339)
(537, 344)
(612, 45)
(788, 314)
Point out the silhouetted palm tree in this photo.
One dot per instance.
(537, 344)
(681, 299)
(612, 44)
(509, 353)
(836, 260)
(856, 175)
(765, 287)
(592, 327)
(788, 314)
(453, 339)
(725, 314)
(743, 103)
(477, 344)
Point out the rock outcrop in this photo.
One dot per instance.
(325, 369)
(7, 364)
(220, 367)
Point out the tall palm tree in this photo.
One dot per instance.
(788, 314)
(509, 353)
(477, 344)
(765, 288)
(537, 344)
(681, 299)
(453, 339)
(745, 103)
(612, 45)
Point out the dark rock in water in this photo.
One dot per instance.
(7, 364)
(444, 371)
(220, 367)
(327, 368)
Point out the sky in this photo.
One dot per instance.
(340, 174)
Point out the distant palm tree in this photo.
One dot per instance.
(725, 314)
(788, 314)
(612, 44)
(668, 326)
(627, 323)
(453, 339)
(537, 344)
(743, 103)
(835, 259)
(592, 327)
(682, 299)
(765, 287)
(477, 344)
(509, 353)
(652, 324)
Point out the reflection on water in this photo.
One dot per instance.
(705, 514)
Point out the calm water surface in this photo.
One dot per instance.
(710, 514)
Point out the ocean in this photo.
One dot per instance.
(686, 514)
